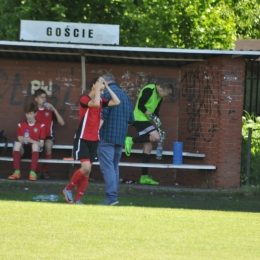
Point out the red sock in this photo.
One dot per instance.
(34, 163)
(82, 186)
(75, 179)
(38, 169)
(45, 167)
(17, 160)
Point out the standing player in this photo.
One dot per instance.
(46, 114)
(86, 137)
(147, 109)
(28, 146)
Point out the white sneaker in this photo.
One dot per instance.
(79, 202)
(68, 196)
(109, 202)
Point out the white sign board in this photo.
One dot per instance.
(86, 33)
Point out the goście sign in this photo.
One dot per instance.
(43, 31)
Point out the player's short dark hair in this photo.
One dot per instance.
(168, 88)
(39, 92)
(30, 108)
(93, 82)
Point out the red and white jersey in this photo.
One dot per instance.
(46, 117)
(36, 130)
(89, 119)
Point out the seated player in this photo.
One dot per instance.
(28, 146)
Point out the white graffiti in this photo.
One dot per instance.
(74, 117)
(72, 106)
(36, 84)
(100, 72)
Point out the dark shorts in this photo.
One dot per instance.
(84, 149)
(144, 127)
(27, 151)
(49, 138)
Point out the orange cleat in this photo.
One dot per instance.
(15, 176)
(32, 176)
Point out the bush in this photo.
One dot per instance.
(250, 121)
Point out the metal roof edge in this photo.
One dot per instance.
(126, 49)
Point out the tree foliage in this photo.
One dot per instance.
(207, 24)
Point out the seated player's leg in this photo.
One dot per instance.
(48, 143)
(18, 152)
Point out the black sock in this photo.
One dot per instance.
(145, 159)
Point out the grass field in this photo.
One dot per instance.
(147, 224)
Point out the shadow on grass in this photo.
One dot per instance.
(138, 196)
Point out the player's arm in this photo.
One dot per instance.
(101, 123)
(156, 111)
(40, 142)
(19, 134)
(55, 111)
(58, 116)
(105, 109)
(95, 102)
(146, 94)
(114, 99)
(20, 139)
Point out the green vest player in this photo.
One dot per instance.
(146, 108)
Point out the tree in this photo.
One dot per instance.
(247, 19)
(12, 11)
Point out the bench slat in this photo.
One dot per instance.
(128, 164)
(138, 151)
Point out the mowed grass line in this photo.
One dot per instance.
(31, 230)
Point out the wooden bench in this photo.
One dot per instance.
(126, 164)
(136, 151)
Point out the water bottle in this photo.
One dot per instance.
(159, 150)
(45, 105)
(51, 197)
(26, 135)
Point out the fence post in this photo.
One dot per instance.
(248, 161)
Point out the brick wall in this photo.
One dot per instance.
(205, 113)
(211, 107)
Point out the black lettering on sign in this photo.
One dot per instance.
(67, 32)
(76, 32)
(49, 31)
(58, 31)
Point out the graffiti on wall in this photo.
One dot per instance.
(130, 82)
(57, 93)
(202, 90)
(197, 89)
(3, 81)
(229, 76)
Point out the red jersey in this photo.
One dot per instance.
(89, 119)
(46, 117)
(36, 130)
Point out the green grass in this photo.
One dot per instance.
(149, 224)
